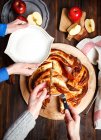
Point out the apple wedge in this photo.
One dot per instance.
(30, 20)
(74, 29)
(82, 34)
(90, 25)
(35, 18)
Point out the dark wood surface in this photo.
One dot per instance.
(11, 101)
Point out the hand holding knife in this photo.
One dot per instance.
(62, 96)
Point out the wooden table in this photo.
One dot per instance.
(11, 101)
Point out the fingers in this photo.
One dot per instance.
(68, 116)
(38, 88)
(25, 68)
(74, 113)
(28, 65)
(47, 96)
(28, 72)
(23, 25)
(32, 66)
(20, 24)
(42, 97)
(15, 25)
(18, 21)
(39, 94)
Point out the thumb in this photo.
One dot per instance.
(32, 66)
(43, 95)
(19, 22)
(23, 25)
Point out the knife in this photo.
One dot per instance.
(66, 106)
(62, 96)
(51, 74)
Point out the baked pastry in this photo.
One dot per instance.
(69, 77)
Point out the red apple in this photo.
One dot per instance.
(75, 14)
(22, 18)
(19, 6)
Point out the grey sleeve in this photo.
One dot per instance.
(21, 127)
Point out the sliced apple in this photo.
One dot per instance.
(35, 18)
(74, 29)
(90, 25)
(82, 34)
(30, 19)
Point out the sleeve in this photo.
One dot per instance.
(3, 75)
(22, 126)
(3, 28)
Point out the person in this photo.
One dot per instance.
(12, 26)
(26, 122)
(72, 120)
(17, 68)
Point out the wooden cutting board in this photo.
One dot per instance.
(52, 109)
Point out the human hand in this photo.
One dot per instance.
(72, 124)
(15, 25)
(36, 99)
(22, 68)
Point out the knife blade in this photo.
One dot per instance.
(51, 74)
(66, 106)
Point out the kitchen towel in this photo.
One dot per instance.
(92, 49)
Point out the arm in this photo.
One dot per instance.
(17, 68)
(26, 122)
(3, 75)
(11, 27)
(15, 25)
(72, 120)
(22, 126)
(3, 28)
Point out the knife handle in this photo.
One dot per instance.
(66, 106)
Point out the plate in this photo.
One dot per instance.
(8, 14)
(24, 45)
(51, 111)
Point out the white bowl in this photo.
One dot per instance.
(29, 45)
